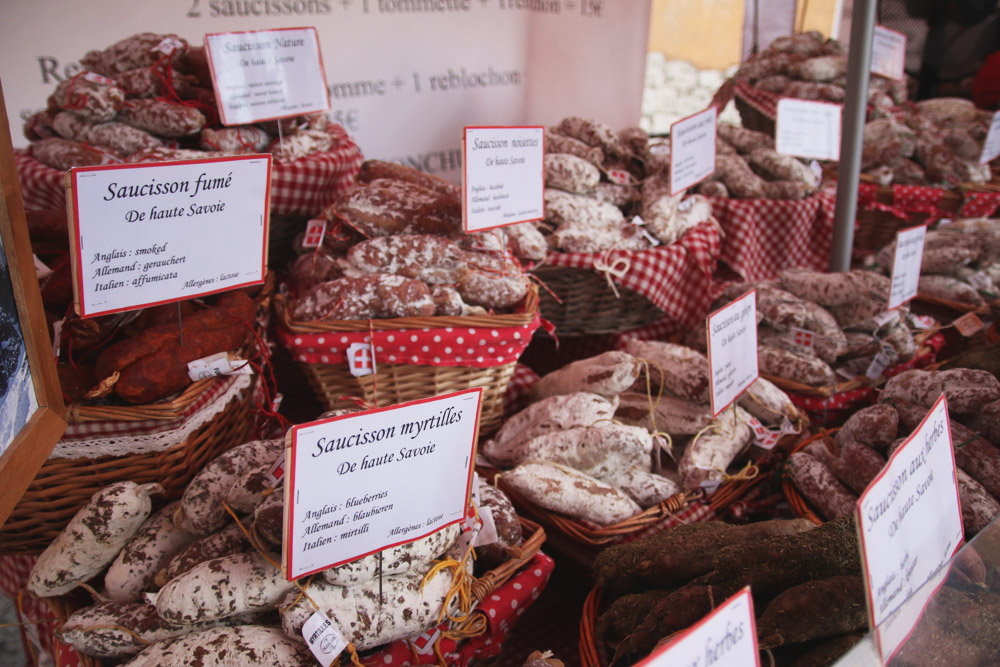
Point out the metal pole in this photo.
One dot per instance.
(852, 129)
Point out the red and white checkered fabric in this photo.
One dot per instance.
(676, 277)
(763, 101)
(86, 430)
(907, 199)
(764, 236)
(301, 187)
(40, 644)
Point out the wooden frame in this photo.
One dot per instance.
(30, 447)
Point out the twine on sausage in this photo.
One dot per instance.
(95, 628)
(612, 269)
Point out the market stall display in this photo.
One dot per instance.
(194, 567)
(622, 252)
(592, 455)
(149, 97)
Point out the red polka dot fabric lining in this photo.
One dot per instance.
(502, 608)
(909, 199)
(481, 347)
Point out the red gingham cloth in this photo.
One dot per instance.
(86, 430)
(675, 277)
(516, 394)
(478, 347)
(33, 612)
(764, 236)
(302, 187)
(908, 199)
(763, 101)
(502, 608)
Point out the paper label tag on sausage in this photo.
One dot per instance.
(41, 271)
(169, 45)
(216, 365)
(619, 177)
(800, 339)
(324, 638)
(97, 78)
(360, 360)
(488, 531)
(816, 169)
(315, 230)
(991, 147)
(981, 281)
(766, 438)
(884, 318)
(640, 224)
(881, 362)
(922, 321)
(710, 485)
(56, 333)
(277, 471)
(969, 324)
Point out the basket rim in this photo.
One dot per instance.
(80, 413)
(528, 311)
(920, 338)
(588, 626)
(955, 305)
(795, 499)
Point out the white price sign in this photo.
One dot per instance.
(732, 350)
(906, 265)
(363, 482)
(991, 147)
(808, 129)
(727, 637)
(267, 74)
(504, 181)
(692, 150)
(888, 53)
(909, 518)
(148, 234)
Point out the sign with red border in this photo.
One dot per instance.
(727, 636)
(692, 149)
(267, 74)
(148, 234)
(809, 129)
(906, 265)
(363, 482)
(910, 521)
(732, 350)
(888, 53)
(504, 176)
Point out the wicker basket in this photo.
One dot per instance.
(583, 541)
(801, 389)
(795, 499)
(62, 486)
(395, 383)
(875, 228)
(753, 118)
(587, 305)
(477, 622)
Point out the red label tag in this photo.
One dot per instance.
(620, 176)
(315, 230)
(360, 360)
(969, 325)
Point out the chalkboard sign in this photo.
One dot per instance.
(31, 407)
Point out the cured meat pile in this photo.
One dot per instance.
(588, 446)
(186, 583)
(149, 98)
(394, 247)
